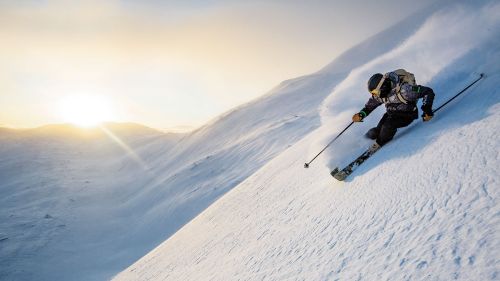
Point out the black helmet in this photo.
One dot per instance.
(374, 81)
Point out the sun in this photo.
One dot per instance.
(86, 110)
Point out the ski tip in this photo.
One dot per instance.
(334, 172)
(338, 175)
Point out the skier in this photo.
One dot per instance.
(400, 93)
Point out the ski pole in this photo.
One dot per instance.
(306, 165)
(459, 93)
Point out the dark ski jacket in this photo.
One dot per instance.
(402, 100)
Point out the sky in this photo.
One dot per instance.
(170, 65)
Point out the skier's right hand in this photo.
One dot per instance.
(427, 116)
(358, 117)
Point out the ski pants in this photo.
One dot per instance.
(387, 127)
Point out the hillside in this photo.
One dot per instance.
(425, 207)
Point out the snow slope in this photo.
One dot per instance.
(80, 205)
(425, 207)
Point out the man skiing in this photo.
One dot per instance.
(400, 93)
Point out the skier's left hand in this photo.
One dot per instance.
(427, 116)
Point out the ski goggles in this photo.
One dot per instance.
(376, 91)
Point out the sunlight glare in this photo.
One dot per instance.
(85, 110)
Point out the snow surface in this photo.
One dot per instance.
(425, 207)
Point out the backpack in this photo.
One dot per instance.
(406, 77)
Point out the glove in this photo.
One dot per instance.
(358, 117)
(427, 116)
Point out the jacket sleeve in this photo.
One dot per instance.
(413, 93)
(370, 105)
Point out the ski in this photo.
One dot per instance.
(341, 175)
